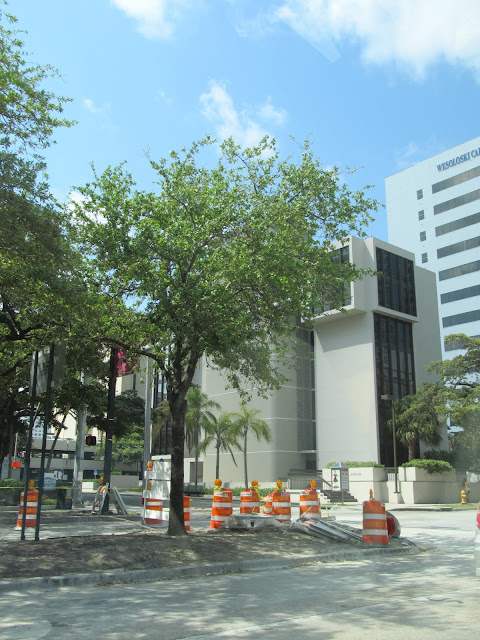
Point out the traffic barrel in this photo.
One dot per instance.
(249, 501)
(186, 512)
(393, 526)
(281, 508)
(374, 523)
(222, 507)
(309, 504)
(153, 511)
(267, 505)
(30, 509)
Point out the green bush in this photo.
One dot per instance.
(442, 454)
(353, 464)
(430, 466)
(9, 482)
(10, 491)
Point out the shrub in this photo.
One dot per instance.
(430, 466)
(355, 464)
(440, 454)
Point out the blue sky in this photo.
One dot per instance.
(376, 84)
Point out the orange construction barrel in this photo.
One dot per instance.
(267, 505)
(186, 512)
(281, 508)
(222, 508)
(153, 511)
(30, 509)
(374, 523)
(309, 504)
(249, 501)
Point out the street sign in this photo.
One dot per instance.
(49, 482)
(59, 358)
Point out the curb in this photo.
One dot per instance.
(195, 571)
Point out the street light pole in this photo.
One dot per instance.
(388, 396)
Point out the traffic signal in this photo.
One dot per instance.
(90, 441)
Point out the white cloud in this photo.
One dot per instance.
(93, 108)
(155, 18)
(413, 152)
(219, 108)
(411, 33)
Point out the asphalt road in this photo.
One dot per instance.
(434, 594)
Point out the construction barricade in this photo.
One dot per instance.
(186, 512)
(31, 508)
(222, 507)
(249, 501)
(281, 508)
(374, 523)
(267, 505)
(310, 504)
(153, 511)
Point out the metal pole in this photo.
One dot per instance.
(28, 452)
(44, 439)
(148, 420)
(80, 449)
(395, 468)
(107, 465)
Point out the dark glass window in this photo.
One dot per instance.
(461, 270)
(457, 224)
(339, 256)
(419, 194)
(458, 179)
(461, 318)
(456, 202)
(396, 282)
(421, 214)
(424, 257)
(460, 294)
(423, 236)
(305, 370)
(458, 247)
(395, 373)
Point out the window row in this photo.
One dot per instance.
(461, 223)
(461, 270)
(461, 318)
(460, 294)
(455, 344)
(458, 179)
(456, 202)
(458, 247)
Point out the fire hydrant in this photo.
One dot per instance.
(463, 494)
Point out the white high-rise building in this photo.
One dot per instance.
(433, 210)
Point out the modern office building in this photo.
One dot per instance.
(433, 210)
(331, 408)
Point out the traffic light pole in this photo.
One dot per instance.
(80, 450)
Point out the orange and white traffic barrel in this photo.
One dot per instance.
(249, 501)
(374, 523)
(222, 507)
(267, 505)
(281, 508)
(153, 513)
(30, 509)
(186, 512)
(309, 504)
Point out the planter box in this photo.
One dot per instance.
(415, 474)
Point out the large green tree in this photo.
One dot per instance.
(219, 261)
(36, 266)
(458, 398)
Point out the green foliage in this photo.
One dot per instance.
(430, 466)
(221, 434)
(220, 262)
(352, 464)
(440, 454)
(416, 419)
(10, 482)
(245, 421)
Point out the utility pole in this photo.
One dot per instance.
(80, 449)
(107, 465)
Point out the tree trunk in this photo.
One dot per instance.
(245, 458)
(413, 449)
(176, 523)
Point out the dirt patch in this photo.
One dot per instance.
(155, 550)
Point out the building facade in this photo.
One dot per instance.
(433, 210)
(331, 408)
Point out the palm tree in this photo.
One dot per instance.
(199, 416)
(222, 436)
(243, 422)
